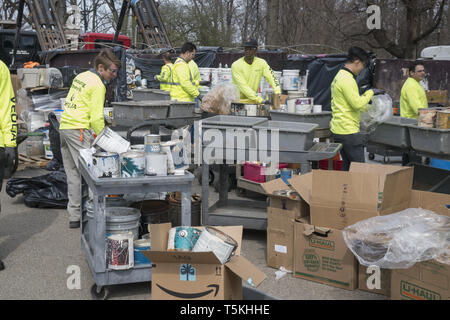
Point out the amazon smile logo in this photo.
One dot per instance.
(184, 295)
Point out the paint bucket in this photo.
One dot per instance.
(290, 105)
(214, 77)
(106, 165)
(183, 238)
(285, 175)
(290, 79)
(304, 105)
(205, 74)
(251, 109)
(152, 143)
(225, 75)
(427, 117)
(216, 241)
(167, 148)
(132, 164)
(156, 164)
(317, 108)
(119, 251)
(121, 220)
(48, 150)
(443, 119)
(111, 141)
(139, 246)
(108, 113)
(279, 76)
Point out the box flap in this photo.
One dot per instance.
(159, 236)
(246, 271)
(381, 170)
(352, 190)
(397, 190)
(303, 185)
(275, 185)
(310, 230)
(180, 256)
(439, 203)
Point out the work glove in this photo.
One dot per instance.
(205, 83)
(378, 91)
(200, 97)
(156, 78)
(10, 157)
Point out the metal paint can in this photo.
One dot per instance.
(216, 241)
(442, 119)
(152, 143)
(120, 251)
(132, 164)
(156, 164)
(182, 238)
(106, 164)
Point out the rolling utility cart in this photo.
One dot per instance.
(95, 252)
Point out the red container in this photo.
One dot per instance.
(256, 173)
(337, 164)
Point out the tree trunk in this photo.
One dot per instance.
(272, 27)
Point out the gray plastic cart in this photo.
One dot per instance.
(95, 252)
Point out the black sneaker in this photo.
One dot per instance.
(2, 266)
(74, 224)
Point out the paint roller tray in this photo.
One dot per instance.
(141, 110)
(321, 118)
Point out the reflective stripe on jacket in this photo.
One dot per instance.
(83, 108)
(346, 103)
(166, 77)
(8, 120)
(412, 98)
(183, 88)
(247, 78)
(195, 73)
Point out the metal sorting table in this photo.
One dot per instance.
(95, 252)
(247, 212)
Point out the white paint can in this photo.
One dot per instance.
(106, 165)
(214, 76)
(252, 110)
(111, 141)
(132, 164)
(290, 79)
(317, 108)
(156, 164)
(120, 251)
(152, 143)
(304, 105)
(205, 74)
(225, 75)
(216, 241)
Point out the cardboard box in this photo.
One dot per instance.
(437, 96)
(198, 275)
(428, 280)
(321, 255)
(281, 215)
(437, 202)
(339, 199)
(384, 284)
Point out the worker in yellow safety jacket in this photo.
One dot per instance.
(165, 78)
(83, 110)
(184, 87)
(8, 127)
(347, 105)
(246, 74)
(413, 98)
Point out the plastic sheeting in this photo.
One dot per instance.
(378, 111)
(219, 98)
(399, 240)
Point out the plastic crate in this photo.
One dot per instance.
(150, 95)
(337, 164)
(141, 110)
(256, 172)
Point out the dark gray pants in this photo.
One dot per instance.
(352, 148)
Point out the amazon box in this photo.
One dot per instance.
(281, 215)
(321, 255)
(428, 280)
(339, 199)
(198, 275)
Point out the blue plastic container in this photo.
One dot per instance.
(285, 175)
(441, 164)
(139, 246)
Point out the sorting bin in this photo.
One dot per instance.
(393, 132)
(430, 140)
(141, 110)
(321, 118)
(150, 95)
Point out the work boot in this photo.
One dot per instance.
(74, 224)
(2, 266)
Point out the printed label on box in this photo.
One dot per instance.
(187, 272)
(281, 249)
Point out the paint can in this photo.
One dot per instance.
(317, 108)
(427, 117)
(152, 143)
(156, 164)
(214, 77)
(119, 251)
(225, 75)
(290, 79)
(139, 246)
(167, 148)
(304, 105)
(442, 119)
(214, 240)
(251, 110)
(183, 238)
(106, 165)
(132, 164)
(205, 74)
(111, 141)
(48, 150)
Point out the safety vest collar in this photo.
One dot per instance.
(105, 83)
(348, 70)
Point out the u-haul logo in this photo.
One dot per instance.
(321, 243)
(414, 292)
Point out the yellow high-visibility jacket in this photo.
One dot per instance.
(247, 78)
(195, 73)
(346, 103)
(165, 78)
(412, 98)
(184, 88)
(83, 108)
(8, 120)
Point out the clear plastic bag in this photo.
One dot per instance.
(378, 111)
(219, 98)
(399, 240)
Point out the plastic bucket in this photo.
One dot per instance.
(214, 76)
(120, 220)
(225, 75)
(290, 79)
(205, 74)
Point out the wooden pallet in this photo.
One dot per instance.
(31, 162)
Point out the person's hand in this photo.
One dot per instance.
(200, 97)
(378, 91)
(10, 157)
(156, 78)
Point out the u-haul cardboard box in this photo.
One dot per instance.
(339, 199)
(281, 215)
(321, 255)
(384, 280)
(198, 275)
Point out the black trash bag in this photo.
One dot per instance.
(46, 191)
(55, 144)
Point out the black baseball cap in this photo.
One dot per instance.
(252, 43)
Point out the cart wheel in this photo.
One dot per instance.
(371, 156)
(99, 292)
(386, 160)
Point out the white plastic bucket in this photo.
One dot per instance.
(205, 74)
(225, 75)
(252, 110)
(291, 105)
(214, 76)
(48, 150)
(290, 79)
